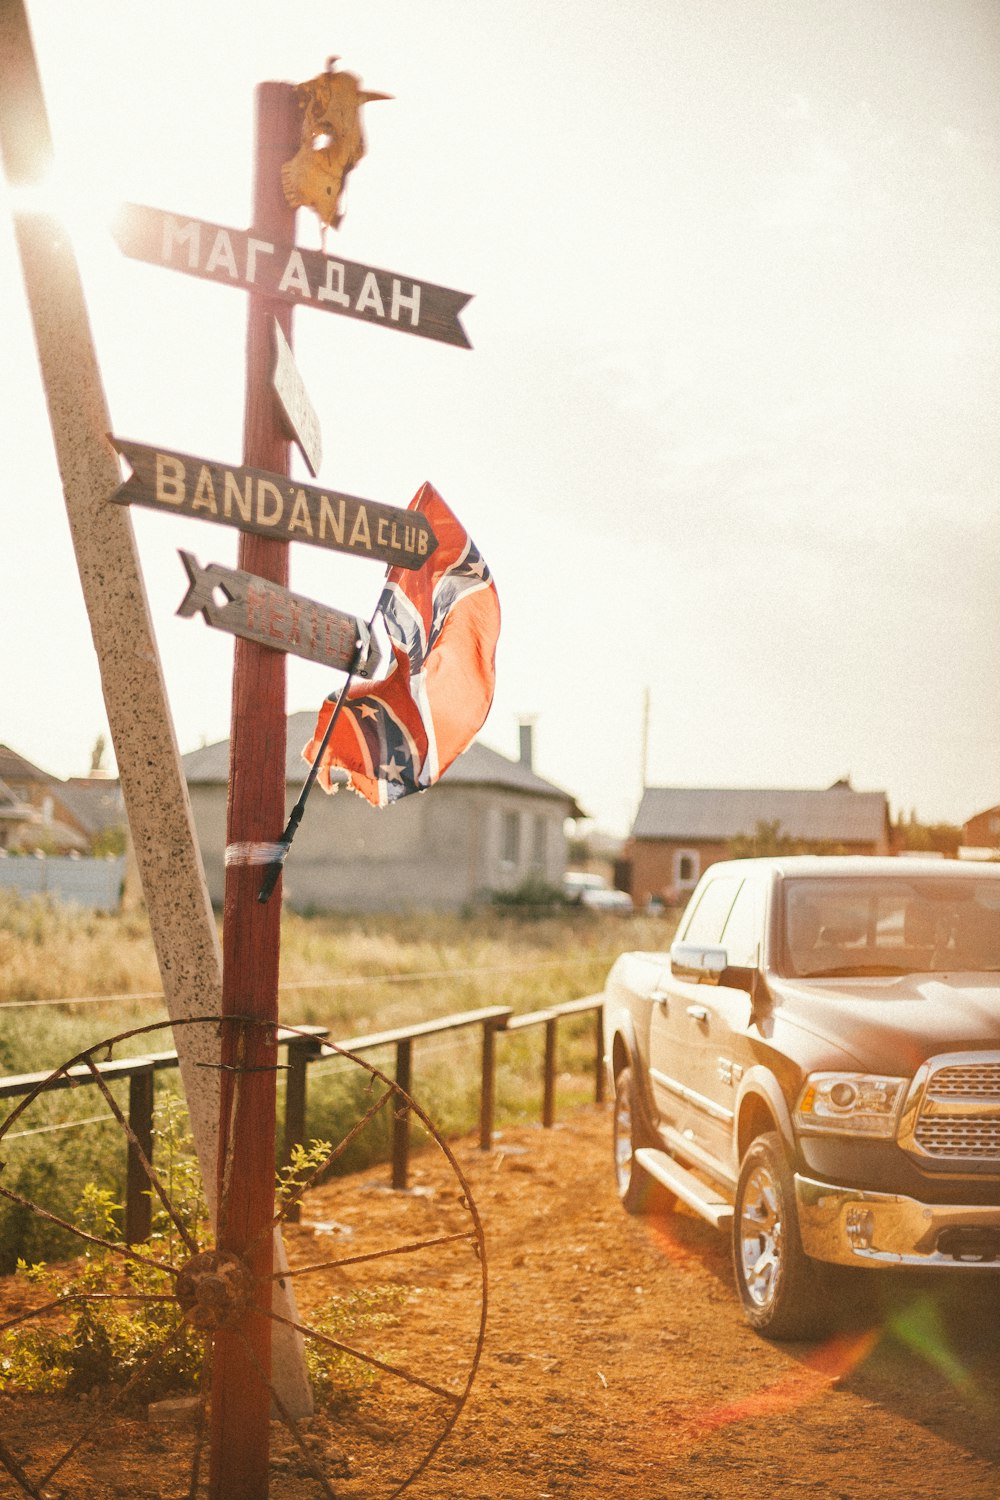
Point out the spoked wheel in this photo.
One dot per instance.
(779, 1286)
(393, 1350)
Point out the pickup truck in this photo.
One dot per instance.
(814, 1068)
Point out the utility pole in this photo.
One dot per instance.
(251, 930)
(156, 798)
(644, 767)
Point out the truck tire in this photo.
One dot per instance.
(780, 1287)
(639, 1193)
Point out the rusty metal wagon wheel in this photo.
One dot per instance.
(190, 1294)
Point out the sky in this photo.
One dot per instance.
(728, 432)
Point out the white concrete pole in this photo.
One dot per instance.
(155, 792)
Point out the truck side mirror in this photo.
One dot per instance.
(709, 966)
(695, 961)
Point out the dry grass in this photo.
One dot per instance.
(353, 975)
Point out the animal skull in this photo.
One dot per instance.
(332, 142)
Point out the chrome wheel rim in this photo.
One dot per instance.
(761, 1237)
(623, 1142)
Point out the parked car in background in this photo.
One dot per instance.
(814, 1068)
(582, 888)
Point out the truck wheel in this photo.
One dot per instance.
(779, 1286)
(639, 1193)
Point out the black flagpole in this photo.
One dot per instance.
(275, 866)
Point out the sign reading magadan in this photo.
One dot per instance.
(272, 505)
(239, 257)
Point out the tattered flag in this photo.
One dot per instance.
(443, 620)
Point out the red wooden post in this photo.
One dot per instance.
(241, 1402)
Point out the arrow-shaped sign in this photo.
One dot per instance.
(261, 611)
(239, 257)
(293, 399)
(272, 505)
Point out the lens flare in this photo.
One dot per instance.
(921, 1328)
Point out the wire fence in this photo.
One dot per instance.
(306, 1049)
(340, 981)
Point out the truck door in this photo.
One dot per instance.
(718, 1018)
(675, 1040)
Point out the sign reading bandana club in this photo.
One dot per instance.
(272, 505)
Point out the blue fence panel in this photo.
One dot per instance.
(93, 883)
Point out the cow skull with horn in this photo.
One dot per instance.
(332, 142)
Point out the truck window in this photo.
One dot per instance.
(744, 927)
(706, 922)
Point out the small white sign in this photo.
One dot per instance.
(293, 399)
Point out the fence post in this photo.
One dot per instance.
(401, 1115)
(138, 1204)
(300, 1050)
(549, 1073)
(488, 1087)
(601, 1077)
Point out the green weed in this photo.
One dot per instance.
(113, 1328)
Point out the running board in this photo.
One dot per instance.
(705, 1200)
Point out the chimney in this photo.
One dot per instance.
(525, 746)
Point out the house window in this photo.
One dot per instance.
(538, 845)
(686, 869)
(510, 838)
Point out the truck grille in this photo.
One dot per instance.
(959, 1113)
(968, 1081)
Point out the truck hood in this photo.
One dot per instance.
(892, 1025)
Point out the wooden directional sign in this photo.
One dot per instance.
(293, 398)
(262, 611)
(270, 505)
(240, 257)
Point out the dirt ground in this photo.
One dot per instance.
(615, 1363)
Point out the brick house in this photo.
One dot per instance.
(679, 831)
(983, 830)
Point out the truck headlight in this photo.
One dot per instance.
(850, 1104)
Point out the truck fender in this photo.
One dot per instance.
(760, 1096)
(621, 1050)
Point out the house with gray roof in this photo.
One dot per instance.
(487, 825)
(679, 831)
(38, 811)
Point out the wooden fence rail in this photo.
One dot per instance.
(308, 1044)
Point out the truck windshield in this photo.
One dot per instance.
(871, 925)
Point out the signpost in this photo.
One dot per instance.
(260, 260)
(269, 509)
(271, 505)
(260, 611)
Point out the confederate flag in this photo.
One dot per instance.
(443, 619)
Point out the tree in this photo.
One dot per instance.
(767, 839)
(928, 838)
(97, 756)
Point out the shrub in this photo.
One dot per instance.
(534, 896)
(113, 1330)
